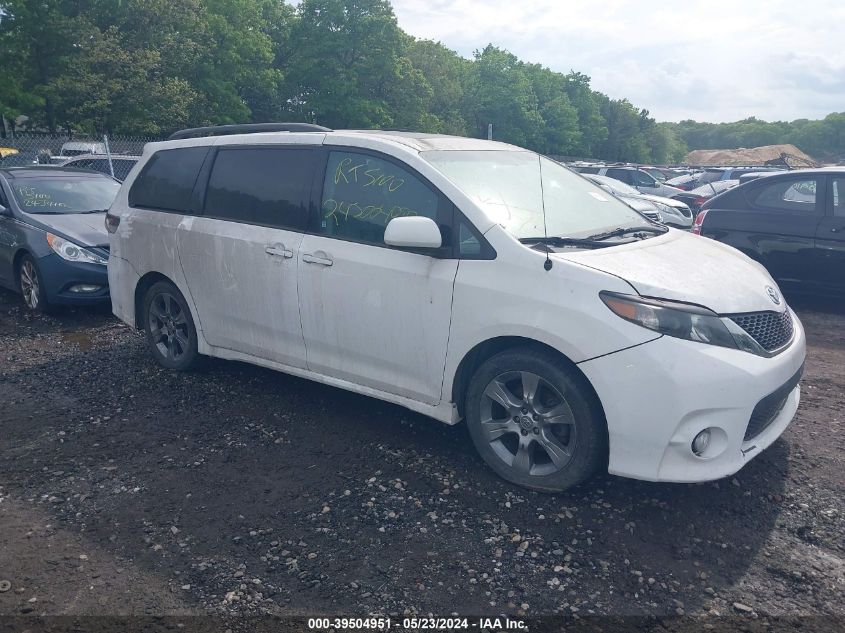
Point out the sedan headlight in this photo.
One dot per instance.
(671, 318)
(73, 252)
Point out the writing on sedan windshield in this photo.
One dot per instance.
(30, 197)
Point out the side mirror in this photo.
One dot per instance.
(4, 210)
(413, 232)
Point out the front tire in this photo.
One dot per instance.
(170, 329)
(31, 285)
(535, 421)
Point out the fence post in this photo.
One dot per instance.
(108, 153)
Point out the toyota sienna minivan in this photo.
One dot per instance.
(464, 279)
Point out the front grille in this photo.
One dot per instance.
(652, 215)
(769, 407)
(772, 330)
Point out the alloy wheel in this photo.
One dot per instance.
(168, 327)
(30, 288)
(528, 423)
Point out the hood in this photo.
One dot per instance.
(669, 202)
(683, 267)
(670, 190)
(86, 229)
(638, 203)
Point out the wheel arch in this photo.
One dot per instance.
(144, 284)
(489, 348)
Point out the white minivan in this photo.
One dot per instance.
(466, 280)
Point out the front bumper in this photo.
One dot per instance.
(59, 276)
(658, 396)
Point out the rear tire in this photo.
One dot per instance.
(535, 421)
(170, 329)
(31, 285)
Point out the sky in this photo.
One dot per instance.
(712, 60)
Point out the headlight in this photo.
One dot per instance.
(671, 318)
(73, 252)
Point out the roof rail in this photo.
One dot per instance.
(246, 128)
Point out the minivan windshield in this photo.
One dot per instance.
(513, 187)
(64, 195)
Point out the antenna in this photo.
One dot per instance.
(547, 265)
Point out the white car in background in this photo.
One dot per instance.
(672, 212)
(466, 280)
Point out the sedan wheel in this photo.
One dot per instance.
(31, 286)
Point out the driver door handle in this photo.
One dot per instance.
(319, 257)
(278, 250)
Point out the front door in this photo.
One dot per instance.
(374, 315)
(781, 223)
(830, 239)
(240, 257)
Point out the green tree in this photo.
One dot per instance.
(344, 66)
(499, 91)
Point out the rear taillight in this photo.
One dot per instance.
(699, 220)
(112, 222)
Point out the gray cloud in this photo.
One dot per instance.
(697, 59)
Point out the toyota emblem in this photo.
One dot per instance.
(773, 295)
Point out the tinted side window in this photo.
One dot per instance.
(168, 179)
(620, 174)
(269, 186)
(643, 179)
(839, 197)
(82, 164)
(587, 170)
(362, 193)
(797, 196)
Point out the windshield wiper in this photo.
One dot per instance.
(627, 231)
(94, 211)
(564, 241)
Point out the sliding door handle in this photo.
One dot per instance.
(319, 257)
(278, 250)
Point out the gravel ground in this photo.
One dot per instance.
(125, 489)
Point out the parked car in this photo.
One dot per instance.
(646, 208)
(71, 149)
(697, 197)
(685, 182)
(463, 279)
(53, 243)
(791, 222)
(121, 164)
(669, 211)
(11, 157)
(639, 180)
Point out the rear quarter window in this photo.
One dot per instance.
(167, 180)
(792, 195)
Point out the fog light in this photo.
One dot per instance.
(701, 442)
(84, 288)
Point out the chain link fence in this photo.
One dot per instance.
(32, 148)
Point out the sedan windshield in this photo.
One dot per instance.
(64, 195)
(514, 187)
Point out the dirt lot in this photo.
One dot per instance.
(128, 489)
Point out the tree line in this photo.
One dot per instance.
(149, 67)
